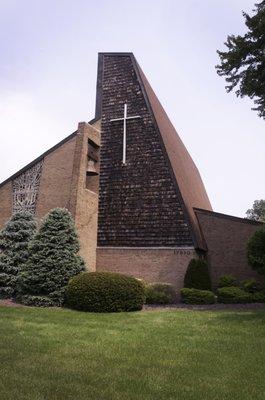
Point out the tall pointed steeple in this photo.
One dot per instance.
(149, 200)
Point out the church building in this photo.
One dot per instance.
(137, 198)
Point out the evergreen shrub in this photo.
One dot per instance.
(226, 281)
(53, 260)
(197, 275)
(251, 286)
(232, 295)
(258, 297)
(160, 293)
(105, 292)
(196, 296)
(14, 242)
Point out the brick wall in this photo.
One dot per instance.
(151, 264)
(55, 183)
(226, 239)
(86, 200)
(139, 204)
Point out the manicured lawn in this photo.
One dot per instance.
(52, 354)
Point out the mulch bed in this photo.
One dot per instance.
(179, 306)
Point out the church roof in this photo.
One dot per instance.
(187, 178)
(39, 158)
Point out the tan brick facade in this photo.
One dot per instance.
(63, 184)
(55, 183)
(226, 239)
(85, 210)
(151, 264)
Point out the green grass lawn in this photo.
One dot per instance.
(57, 354)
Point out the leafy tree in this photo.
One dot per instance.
(52, 262)
(14, 241)
(257, 212)
(244, 62)
(256, 251)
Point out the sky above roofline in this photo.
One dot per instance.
(48, 82)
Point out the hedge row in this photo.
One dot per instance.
(196, 296)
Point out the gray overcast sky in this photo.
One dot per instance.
(48, 77)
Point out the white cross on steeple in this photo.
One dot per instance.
(124, 119)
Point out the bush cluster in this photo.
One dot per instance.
(160, 293)
(37, 301)
(258, 297)
(226, 281)
(232, 295)
(35, 266)
(196, 296)
(105, 292)
(248, 291)
(251, 286)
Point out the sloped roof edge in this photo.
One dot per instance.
(168, 136)
(69, 137)
(227, 216)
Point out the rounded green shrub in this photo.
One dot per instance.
(197, 275)
(196, 296)
(232, 295)
(105, 292)
(256, 251)
(160, 293)
(258, 297)
(251, 286)
(226, 281)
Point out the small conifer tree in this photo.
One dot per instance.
(52, 262)
(14, 242)
(197, 275)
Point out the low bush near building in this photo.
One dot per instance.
(251, 286)
(105, 292)
(226, 281)
(160, 293)
(258, 297)
(36, 301)
(197, 275)
(232, 295)
(196, 296)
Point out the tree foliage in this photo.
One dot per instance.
(257, 212)
(52, 262)
(243, 64)
(14, 241)
(256, 251)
